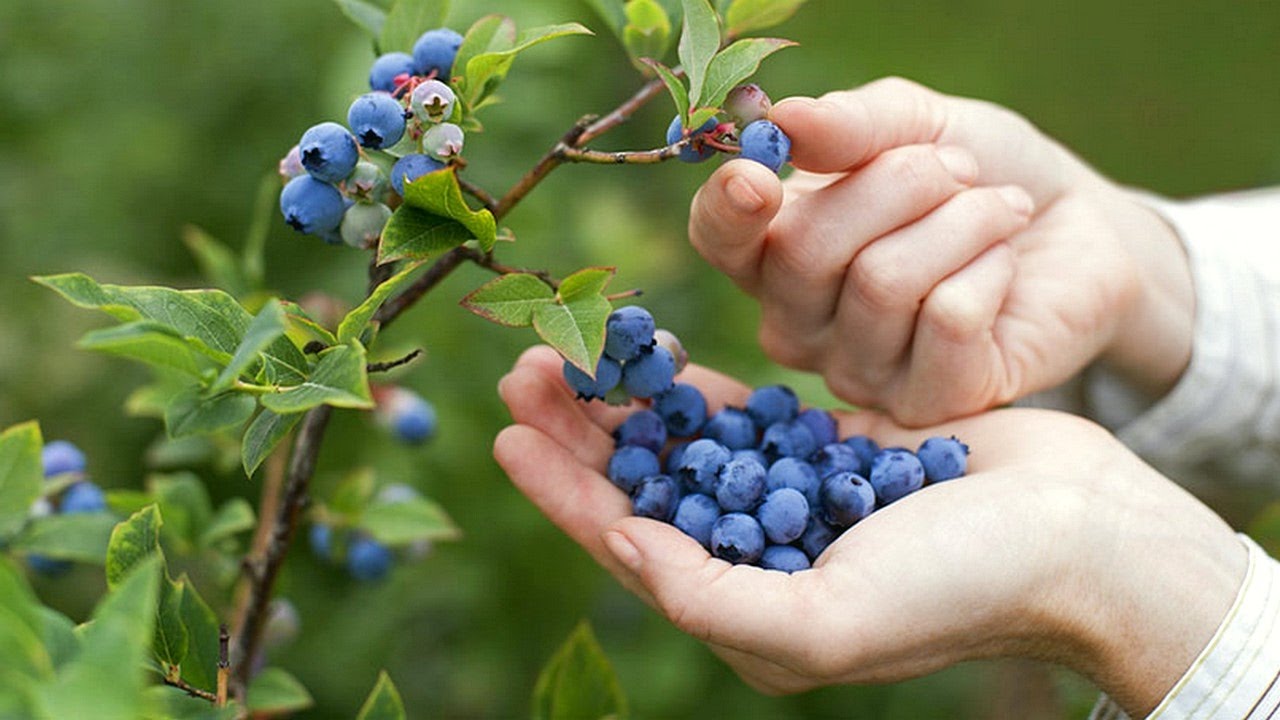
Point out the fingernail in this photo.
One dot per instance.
(622, 549)
(1018, 199)
(743, 197)
(959, 162)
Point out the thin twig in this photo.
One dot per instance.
(487, 261)
(191, 690)
(224, 665)
(550, 161)
(488, 200)
(382, 367)
(630, 157)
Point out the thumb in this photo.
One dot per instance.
(731, 215)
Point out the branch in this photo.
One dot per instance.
(623, 112)
(630, 157)
(487, 261)
(382, 367)
(489, 201)
(191, 690)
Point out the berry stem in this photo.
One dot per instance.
(630, 157)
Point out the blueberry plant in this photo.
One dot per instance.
(237, 367)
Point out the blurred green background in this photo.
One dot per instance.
(123, 120)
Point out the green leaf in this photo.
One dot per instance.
(340, 379)
(509, 299)
(184, 504)
(439, 194)
(217, 263)
(612, 12)
(578, 682)
(407, 522)
(416, 234)
(383, 702)
(408, 19)
(701, 116)
(303, 324)
(674, 86)
(648, 30)
(79, 537)
(356, 321)
(234, 517)
(486, 71)
(736, 63)
(575, 329)
(167, 703)
(21, 474)
(586, 282)
(170, 643)
(132, 541)
(147, 342)
(367, 16)
(264, 433)
(59, 636)
(190, 413)
(699, 42)
(267, 327)
(491, 33)
(200, 668)
(22, 628)
(745, 16)
(265, 209)
(276, 691)
(353, 494)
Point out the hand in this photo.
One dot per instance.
(1059, 544)
(938, 256)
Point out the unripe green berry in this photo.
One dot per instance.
(443, 141)
(432, 101)
(363, 224)
(367, 182)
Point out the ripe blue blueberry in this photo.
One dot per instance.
(765, 143)
(943, 458)
(435, 52)
(630, 464)
(363, 223)
(772, 404)
(377, 119)
(787, 439)
(683, 408)
(738, 538)
(784, 515)
(695, 515)
(644, 428)
(817, 537)
(746, 104)
(694, 152)
(655, 497)
(311, 206)
(628, 331)
(740, 485)
(867, 450)
(60, 457)
(410, 168)
(444, 141)
(433, 101)
(796, 474)
(320, 537)
(836, 457)
(608, 375)
(368, 559)
(785, 558)
(700, 464)
(328, 152)
(674, 456)
(48, 566)
(846, 498)
(385, 70)
(82, 497)
(650, 374)
(822, 424)
(752, 454)
(896, 473)
(732, 428)
(408, 416)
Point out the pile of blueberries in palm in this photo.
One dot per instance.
(332, 189)
(766, 484)
(758, 139)
(63, 461)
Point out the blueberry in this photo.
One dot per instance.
(817, 537)
(746, 104)
(668, 340)
(629, 330)
(732, 428)
(695, 515)
(895, 474)
(410, 168)
(368, 559)
(836, 457)
(312, 207)
(644, 428)
(694, 152)
(432, 101)
(60, 457)
(48, 566)
(866, 449)
(82, 497)
(650, 374)
(787, 439)
(674, 456)
(765, 143)
(772, 404)
(444, 141)
(363, 223)
(608, 375)
(320, 537)
(785, 558)
(683, 409)
(385, 70)
(784, 515)
(328, 152)
(822, 424)
(796, 474)
(943, 458)
(631, 464)
(410, 418)
(752, 454)
(377, 119)
(845, 498)
(435, 52)
(700, 464)
(655, 497)
(367, 182)
(738, 538)
(740, 485)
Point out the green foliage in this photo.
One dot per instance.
(263, 332)
(408, 19)
(340, 379)
(735, 64)
(357, 321)
(483, 71)
(405, 523)
(383, 702)
(264, 433)
(699, 41)
(647, 33)
(79, 537)
(744, 16)
(578, 682)
(365, 15)
(509, 299)
(575, 324)
(20, 475)
(274, 690)
(433, 219)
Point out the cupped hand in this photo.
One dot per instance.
(1050, 547)
(937, 256)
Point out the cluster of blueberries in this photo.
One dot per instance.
(365, 558)
(330, 190)
(758, 139)
(404, 413)
(60, 460)
(639, 360)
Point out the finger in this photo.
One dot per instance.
(730, 216)
(541, 362)
(547, 406)
(956, 365)
(889, 279)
